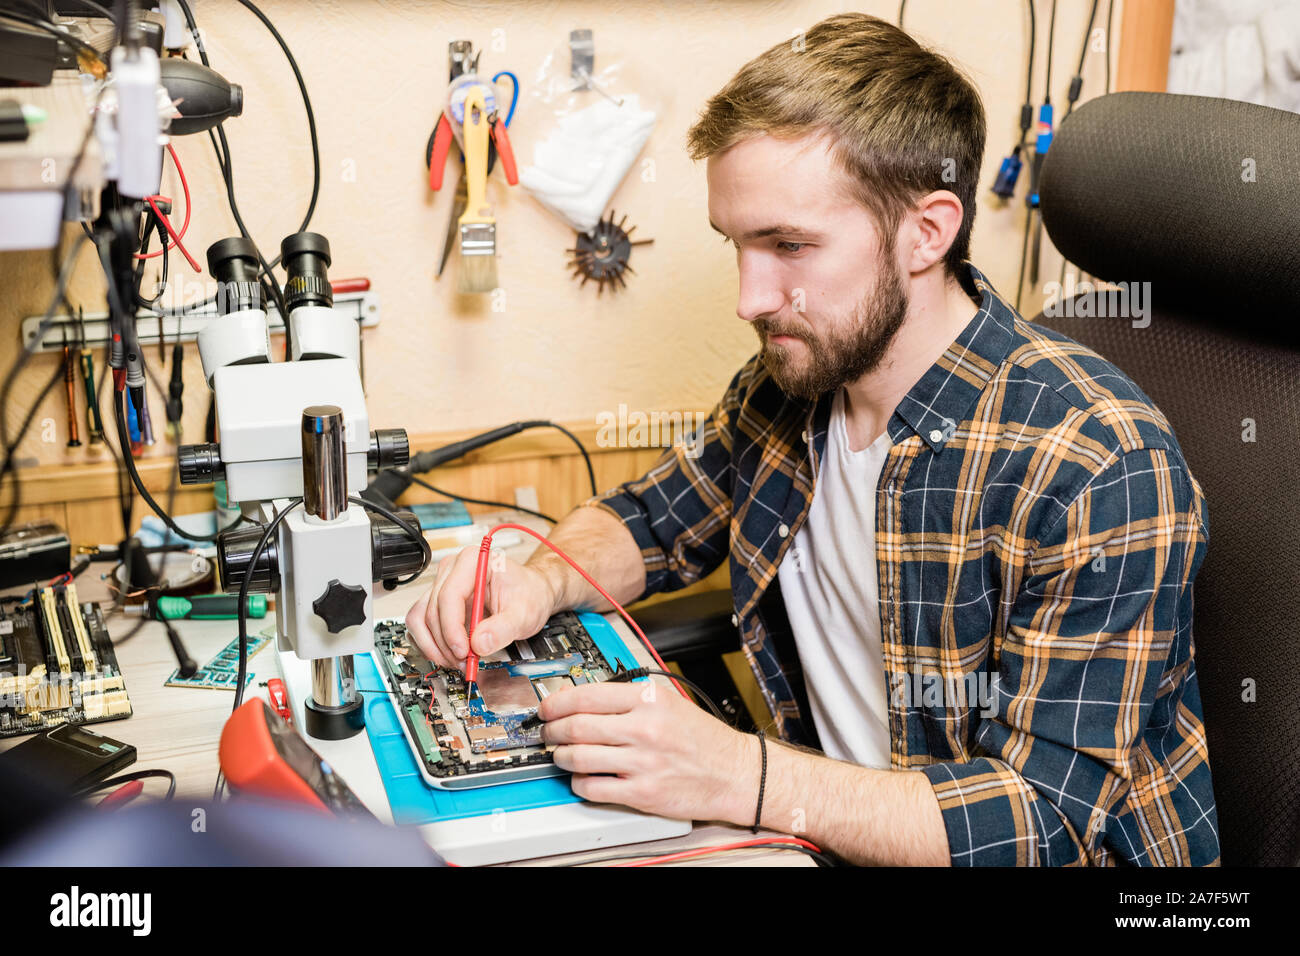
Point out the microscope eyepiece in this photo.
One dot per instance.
(306, 257)
(233, 263)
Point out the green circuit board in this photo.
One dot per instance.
(455, 734)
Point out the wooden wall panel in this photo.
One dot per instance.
(84, 498)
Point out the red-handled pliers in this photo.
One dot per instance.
(443, 138)
(504, 150)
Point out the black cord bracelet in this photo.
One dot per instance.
(762, 782)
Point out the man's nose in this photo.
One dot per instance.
(761, 292)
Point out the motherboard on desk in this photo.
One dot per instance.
(57, 665)
(455, 735)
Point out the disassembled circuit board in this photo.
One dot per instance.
(222, 672)
(455, 735)
(57, 665)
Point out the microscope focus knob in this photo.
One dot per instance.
(389, 448)
(341, 606)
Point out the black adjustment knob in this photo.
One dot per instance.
(235, 551)
(341, 606)
(389, 448)
(200, 464)
(393, 552)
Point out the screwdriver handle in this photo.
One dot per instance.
(209, 607)
(93, 424)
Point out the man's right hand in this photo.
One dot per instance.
(519, 600)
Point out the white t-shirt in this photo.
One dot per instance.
(829, 585)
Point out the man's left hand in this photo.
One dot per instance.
(646, 746)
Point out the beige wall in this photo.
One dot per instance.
(376, 70)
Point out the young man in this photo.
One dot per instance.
(961, 546)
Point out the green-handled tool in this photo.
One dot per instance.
(202, 607)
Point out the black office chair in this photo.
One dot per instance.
(694, 631)
(1201, 197)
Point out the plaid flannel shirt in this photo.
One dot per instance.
(1036, 528)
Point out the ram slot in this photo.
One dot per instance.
(69, 634)
(50, 617)
(69, 595)
(43, 636)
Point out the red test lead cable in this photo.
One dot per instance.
(476, 609)
(705, 850)
(122, 795)
(480, 582)
(176, 236)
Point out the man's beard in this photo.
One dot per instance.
(844, 354)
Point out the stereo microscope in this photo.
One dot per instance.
(298, 429)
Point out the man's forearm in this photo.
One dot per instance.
(877, 817)
(605, 549)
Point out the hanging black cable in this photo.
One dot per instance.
(1076, 81)
(1110, 17)
(1072, 96)
(481, 501)
(1051, 39)
(306, 103)
(1027, 110)
(125, 442)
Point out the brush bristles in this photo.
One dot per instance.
(478, 262)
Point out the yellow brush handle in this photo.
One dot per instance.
(476, 156)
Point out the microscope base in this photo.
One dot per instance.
(333, 723)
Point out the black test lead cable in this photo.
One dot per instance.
(625, 676)
(242, 607)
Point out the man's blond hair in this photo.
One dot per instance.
(902, 120)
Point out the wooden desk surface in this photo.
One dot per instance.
(177, 728)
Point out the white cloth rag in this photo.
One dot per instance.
(579, 165)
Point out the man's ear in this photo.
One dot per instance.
(935, 220)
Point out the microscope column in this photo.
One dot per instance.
(334, 710)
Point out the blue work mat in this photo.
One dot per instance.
(412, 800)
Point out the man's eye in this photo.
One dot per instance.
(790, 246)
